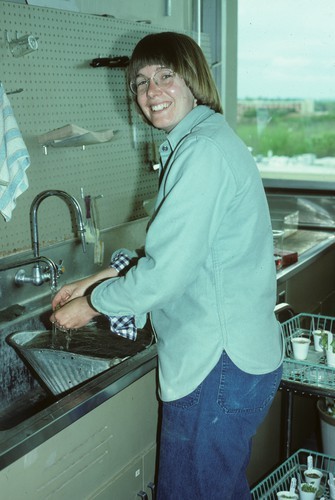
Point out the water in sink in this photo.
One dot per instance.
(94, 340)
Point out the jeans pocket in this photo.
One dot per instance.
(243, 392)
(188, 401)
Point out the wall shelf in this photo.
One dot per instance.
(73, 136)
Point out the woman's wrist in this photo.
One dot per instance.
(107, 273)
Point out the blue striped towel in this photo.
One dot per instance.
(14, 159)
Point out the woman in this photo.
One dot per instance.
(207, 277)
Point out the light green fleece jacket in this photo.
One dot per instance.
(208, 275)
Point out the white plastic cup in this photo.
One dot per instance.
(331, 485)
(330, 358)
(330, 355)
(300, 347)
(287, 495)
(313, 476)
(317, 334)
(306, 495)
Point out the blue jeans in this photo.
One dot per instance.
(206, 436)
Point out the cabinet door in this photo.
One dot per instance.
(125, 486)
(149, 471)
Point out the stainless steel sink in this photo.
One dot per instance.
(64, 360)
(33, 378)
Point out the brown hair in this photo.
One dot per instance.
(184, 56)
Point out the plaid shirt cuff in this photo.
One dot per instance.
(120, 261)
(124, 326)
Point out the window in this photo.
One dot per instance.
(286, 88)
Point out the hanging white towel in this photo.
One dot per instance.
(14, 159)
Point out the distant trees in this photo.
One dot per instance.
(288, 133)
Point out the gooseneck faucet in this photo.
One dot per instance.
(33, 216)
(52, 271)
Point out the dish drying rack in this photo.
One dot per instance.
(313, 371)
(280, 478)
(311, 377)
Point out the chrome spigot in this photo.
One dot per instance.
(39, 276)
(33, 216)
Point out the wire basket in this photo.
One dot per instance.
(280, 478)
(314, 370)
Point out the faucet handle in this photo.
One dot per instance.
(60, 268)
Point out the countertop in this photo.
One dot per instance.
(310, 245)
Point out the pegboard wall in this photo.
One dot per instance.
(60, 87)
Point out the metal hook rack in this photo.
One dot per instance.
(16, 91)
(110, 62)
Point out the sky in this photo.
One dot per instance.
(286, 49)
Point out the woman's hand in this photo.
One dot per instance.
(69, 292)
(75, 314)
(78, 288)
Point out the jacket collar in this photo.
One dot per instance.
(185, 126)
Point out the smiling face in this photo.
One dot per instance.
(165, 107)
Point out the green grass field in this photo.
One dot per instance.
(289, 134)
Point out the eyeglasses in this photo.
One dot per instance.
(163, 78)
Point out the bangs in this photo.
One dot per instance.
(146, 60)
(154, 49)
